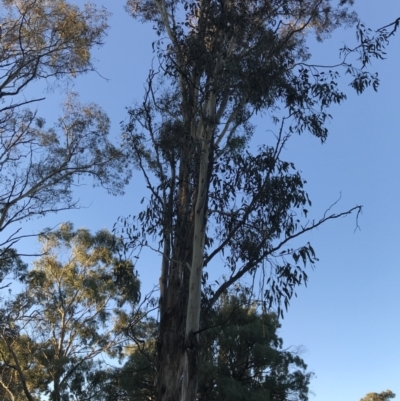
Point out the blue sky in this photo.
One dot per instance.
(348, 318)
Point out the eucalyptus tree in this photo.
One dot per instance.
(49, 41)
(220, 62)
(73, 310)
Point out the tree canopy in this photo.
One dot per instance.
(68, 315)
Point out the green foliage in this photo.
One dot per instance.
(241, 358)
(70, 312)
(383, 396)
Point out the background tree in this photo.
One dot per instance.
(49, 41)
(69, 314)
(383, 396)
(220, 63)
(243, 357)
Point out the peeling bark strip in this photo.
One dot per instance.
(221, 61)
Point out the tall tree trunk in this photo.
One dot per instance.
(173, 286)
(178, 346)
(192, 345)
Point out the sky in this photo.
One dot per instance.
(348, 318)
